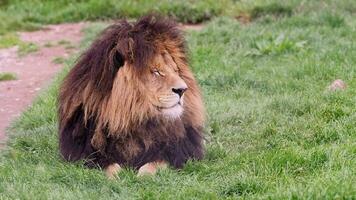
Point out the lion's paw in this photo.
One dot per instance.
(112, 170)
(151, 168)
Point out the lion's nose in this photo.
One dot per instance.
(179, 91)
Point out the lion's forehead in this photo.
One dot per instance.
(163, 61)
(170, 61)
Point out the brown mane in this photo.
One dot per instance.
(104, 116)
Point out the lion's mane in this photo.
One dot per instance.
(104, 117)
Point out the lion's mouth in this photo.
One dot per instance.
(173, 111)
(169, 107)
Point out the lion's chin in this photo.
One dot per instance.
(172, 112)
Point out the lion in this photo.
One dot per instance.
(131, 100)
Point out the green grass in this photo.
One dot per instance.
(58, 60)
(6, 76)
(274, 130)
(49, 45)
(271, 9)
(64, 42)
(32, 14)
(11, 39)
(26, 48)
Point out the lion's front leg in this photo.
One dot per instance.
(152, 167)
(112, 170)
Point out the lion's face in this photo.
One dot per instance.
(165, 86)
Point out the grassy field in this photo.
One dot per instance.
(274, 130)
(32, 14)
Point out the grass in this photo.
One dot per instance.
(271, 9)
(58, 60)
(6, 76)
(30, 15)
(49, 45)
(64, 42)
(11, 39)
(274, 130)
(33, 14)
(26, 48)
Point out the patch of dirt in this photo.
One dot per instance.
(35, 70)
(194, 27)
(244, 18)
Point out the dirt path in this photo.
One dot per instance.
(35, 70)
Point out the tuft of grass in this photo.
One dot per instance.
(4, 3)
(7, 76)
(70, 46)
(67, 44)
(26, 48)
(332, 20)
(278, 45)
(64, 42)
(48, 45)
(273, 9)
(9, 40)
(59, 60)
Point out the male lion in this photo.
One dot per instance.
(131, 100)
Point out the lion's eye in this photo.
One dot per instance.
(157, 72)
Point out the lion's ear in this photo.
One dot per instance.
(118, 59)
